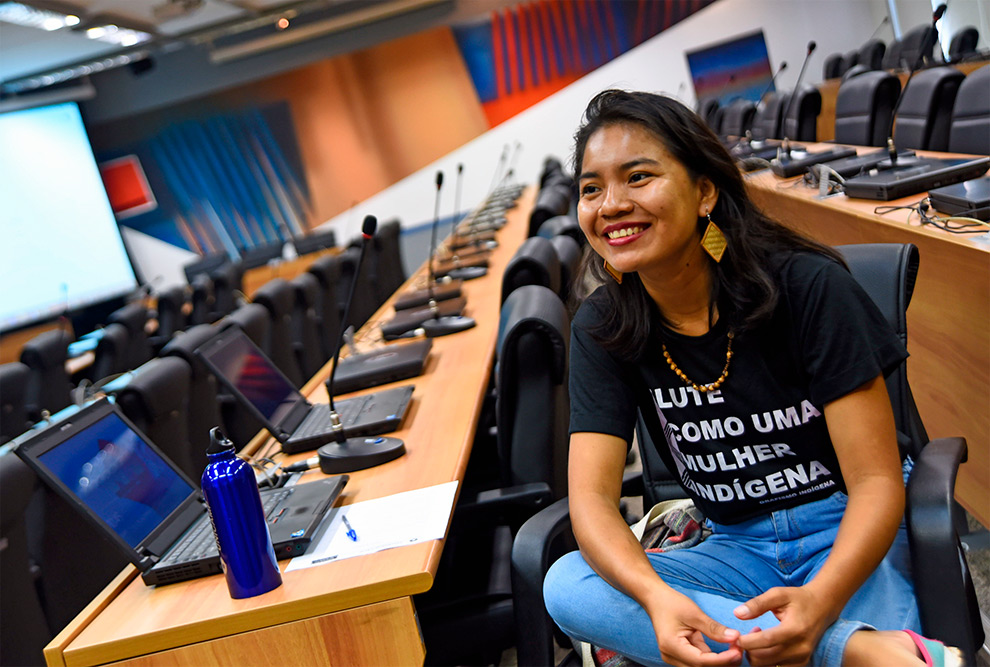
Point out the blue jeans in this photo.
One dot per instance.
(737, 562)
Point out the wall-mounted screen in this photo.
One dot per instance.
(738, 67)
(60, 247)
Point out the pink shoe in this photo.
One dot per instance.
(935, 653)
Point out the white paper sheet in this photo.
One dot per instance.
(383, 523)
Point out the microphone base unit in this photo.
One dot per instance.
(354, 454)
(444, 326)
(468, 272)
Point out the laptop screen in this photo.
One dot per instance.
(244, 366)
(114, 472)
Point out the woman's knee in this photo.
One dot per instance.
(563, 586)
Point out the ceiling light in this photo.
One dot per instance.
(31, 17)
(113, 34)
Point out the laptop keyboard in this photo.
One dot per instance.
(199, 542)
(318, 419)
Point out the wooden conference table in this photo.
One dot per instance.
(948, 319)
(357, 611)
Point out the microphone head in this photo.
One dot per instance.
(938, 12)
(439, 179)
(460, 168)
(811, 46)
(369, 225)
(783, 66)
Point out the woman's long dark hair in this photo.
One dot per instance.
(743, 285)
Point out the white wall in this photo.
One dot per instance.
(657, 65)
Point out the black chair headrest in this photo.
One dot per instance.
(536, 263)
(534, 308)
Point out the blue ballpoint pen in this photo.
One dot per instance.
(351, 533)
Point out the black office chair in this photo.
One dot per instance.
(914, 51)
(851, 59)
(24, 631)
(14, 378)
(389, 273)
(365, 300)
(134, 317)
(565, 225)
(314, 241)
(535, 263)
(467, 618)
(855, 70)
(708, 110)
(204, 266)
(569, 257)
(156, 399)
(738, 118)
(963, 43)
(227, 290)
(111, 356)
(892, 58)
(201, 300)
(769, 117)
(49, 388)
(279, 297)
(970, 131)
(949, 610)
(925, 114)
(306, 341)
(552, 200)
(871, 54)
(255, 320)
(261, 254)
(327, 271)
(170, 309)
(833, 66)
(802, 118)
(863, 108)
(551, 167)
(203, 411)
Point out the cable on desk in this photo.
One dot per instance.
(922, 207)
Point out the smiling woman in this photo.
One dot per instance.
(756, 363)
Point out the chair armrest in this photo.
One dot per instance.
(508, 505)
(536, 546)
(941, 578)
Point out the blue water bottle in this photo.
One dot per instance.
(231, 492)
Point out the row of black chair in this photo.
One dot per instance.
(902, 53)
(766, 120)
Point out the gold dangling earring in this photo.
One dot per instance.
(714, 240)
(612, 271)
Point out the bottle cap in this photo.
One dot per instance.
(219, 442)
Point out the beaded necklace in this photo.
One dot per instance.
(712, 386)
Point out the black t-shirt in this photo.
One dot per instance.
(759, 443)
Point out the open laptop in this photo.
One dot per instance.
(299, 425)
(118, 480)
(970, 199)
(916, 175)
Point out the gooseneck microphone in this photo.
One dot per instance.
(349, 454)
(885, 21)
(498, 169)
(440, 326)
(797, 88)
(773, 79)
(926, 46)
(457, 199)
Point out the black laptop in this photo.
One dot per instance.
(914, 176)
(299, 425)
(970, 199)
(386, 364)
(118, 480)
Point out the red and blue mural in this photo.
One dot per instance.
(522, 54)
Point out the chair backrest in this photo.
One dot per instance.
(535, 263)
(201, 299)
(204, 266)
(562, 225)
(389, 273)
(314, 241)
(365, 300)
(552, 200)
(170, 306)
(863, 108)
(49, 387)
(327, 271)
(254, 320)
(240, 424)
(963, 43)
(14, 379)
(738, 118)
(855, 70)
(970, 131)
(203, 412)
(226, 287)
(925, 114)
(769, 117)
(532, 404)
(851, 58)
(569, 256)
(24, 632)
(833, 66)
(279, 297)
(918, 46)
(134, 316)
(707, 108)
(306, 325)
(871, 54)
(892, 58)
(156, 399)
(800, 123)
(111, 357)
